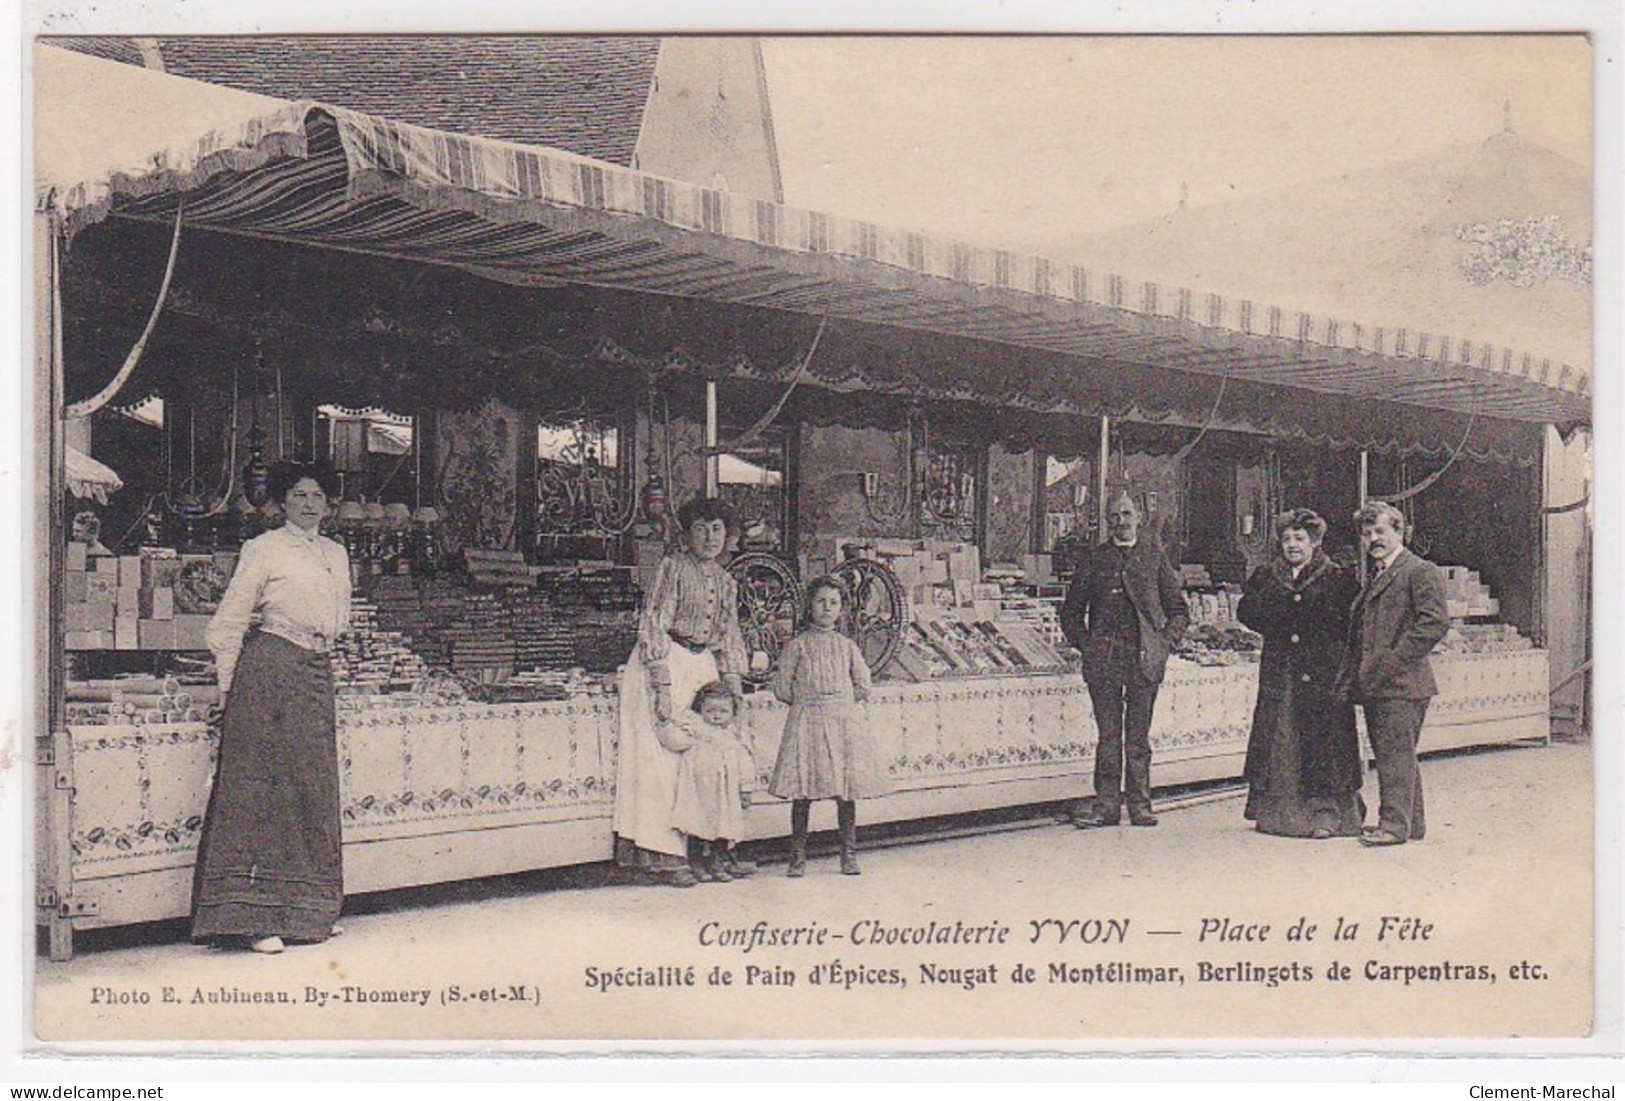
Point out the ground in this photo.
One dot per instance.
(1125, 933)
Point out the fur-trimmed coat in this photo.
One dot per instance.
(1304, 621)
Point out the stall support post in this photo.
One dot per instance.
(713, 461)
(1102, 505)
(1541, 594)
(1037, 507)
(53, 751)
(1365, 495)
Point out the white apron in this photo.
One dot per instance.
(645, 770)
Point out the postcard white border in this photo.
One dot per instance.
(486, 1062)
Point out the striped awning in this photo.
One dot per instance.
(89, 479)
(319, 175)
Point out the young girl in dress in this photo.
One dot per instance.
(715, 777)
(828, 751)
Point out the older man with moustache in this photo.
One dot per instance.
(1125, 612)
(1399, 617)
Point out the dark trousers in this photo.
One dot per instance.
(1123, 705)
(1394, 726)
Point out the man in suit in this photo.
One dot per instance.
(1397, 620)
(1125, 613)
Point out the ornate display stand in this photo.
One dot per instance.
(433, 794)
(769, 608)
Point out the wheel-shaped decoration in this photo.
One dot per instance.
(879, 609)
(769, 609)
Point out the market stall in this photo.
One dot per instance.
(476, 726)
(459, 791)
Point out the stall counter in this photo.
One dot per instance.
(463, 790)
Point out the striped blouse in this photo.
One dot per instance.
(697, 601)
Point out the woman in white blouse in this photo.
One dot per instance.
(269, 868)
(688, 636)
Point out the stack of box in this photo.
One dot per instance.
(91, 595)
(369, 660)
(1484, 638)
(419, 610)
(1213, 607)
(543, 637)
(1468, 597)
(576, 619)
(600, 607)
(1041, 616)
(497, 567)
(481, 641)
(948, 647)
(1038, 568)
(1195, 576)
(934, 573)
(131, 603)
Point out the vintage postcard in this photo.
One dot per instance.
(682, 541)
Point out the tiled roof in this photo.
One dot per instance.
(106, 48)
(580, 94)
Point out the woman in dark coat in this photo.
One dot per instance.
(1303, 757)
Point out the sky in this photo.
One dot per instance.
(1024, 142)
(1019, 141)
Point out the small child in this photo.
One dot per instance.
(828, 751)
(715, 778)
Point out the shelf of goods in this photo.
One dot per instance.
(438, 791)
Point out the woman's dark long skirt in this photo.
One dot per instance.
(1276, 798)
(269, 862)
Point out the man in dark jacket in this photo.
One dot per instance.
(1125, 613)
(1399, 617)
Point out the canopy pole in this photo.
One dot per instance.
(1101, 477)
(53, 751)
(1365, 495)
(713, 460)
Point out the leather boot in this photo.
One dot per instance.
(800, 814)
(712, 861)
(696, 860)
(737, 866)
(846, 812)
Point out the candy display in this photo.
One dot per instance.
(1484, 638)
(1219, 644)
(200, 585)
(367, 659)
(1467, 596)
(138, 701)
(1213, 605)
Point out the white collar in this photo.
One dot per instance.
(295, 532)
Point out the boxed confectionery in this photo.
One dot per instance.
(129, 571)
(1467, 595)
(160, 566)
(1038, 568)
(156, 634)
(157, 603)
(190, 631)
(89, 616)
(101, 586)
(126, 634)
